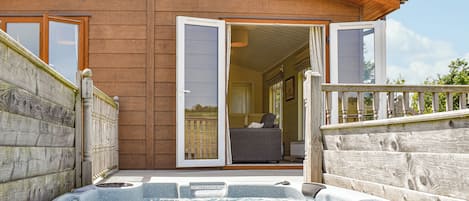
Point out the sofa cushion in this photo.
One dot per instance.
(268, 120)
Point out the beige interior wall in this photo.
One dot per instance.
(244, 75)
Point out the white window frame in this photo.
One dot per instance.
(181, 21)
(380, 60)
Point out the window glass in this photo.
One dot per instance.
(63, 48)
(25, 33)
(275, 101)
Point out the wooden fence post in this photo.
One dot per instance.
(78, 134)
(313, 120)
(87, 97)
(116, 100)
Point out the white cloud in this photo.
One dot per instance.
(414, 56)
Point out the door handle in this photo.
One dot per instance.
(187, 91)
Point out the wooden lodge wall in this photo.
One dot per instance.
(132, 55)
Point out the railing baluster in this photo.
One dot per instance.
(421, 102)
(360, 106)
(344, 106)
(390, 104)
(375, 105)
(328, 107)
(435, 102)
(462, 101)
(405, 103)
(449, 101)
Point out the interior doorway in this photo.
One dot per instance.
(271, 57)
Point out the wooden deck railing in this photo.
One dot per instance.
(360, 102)
(201, 137)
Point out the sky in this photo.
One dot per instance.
(423, 36)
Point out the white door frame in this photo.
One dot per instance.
(180, 91)
(380, 60)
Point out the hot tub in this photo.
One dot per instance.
(212, 191)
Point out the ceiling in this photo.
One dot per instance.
(268, 45)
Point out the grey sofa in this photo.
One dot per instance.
(257, 144)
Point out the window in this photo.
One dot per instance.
(58, 41)
(275, 101)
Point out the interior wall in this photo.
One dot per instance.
(290, 108)
(245, 75)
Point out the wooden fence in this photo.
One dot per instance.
(201, 137)
(100, 131)
(104, 153)
(398, 148)
(360, 102)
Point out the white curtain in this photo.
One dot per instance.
(229, 159)
(316, 48)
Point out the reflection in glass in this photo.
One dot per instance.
(63, 48)
(356, 56)
(356, 64)
(25, 33)
(201, 99)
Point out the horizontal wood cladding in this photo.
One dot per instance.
(117, 46)
(165, 161)
(165, 146)
(130, 103)
(122, 89)
(117, 32)
(167, 132)
(168, 18)
(132, 146)
(426, 172)
(390, 192)
(165, 61)
(117, 61)
(165, 46)
(131, 118)
(131, 132)
(119, 75)
(165, 118)
(118, 17)
(165, 75)
(165, 89)
(165, 104)
(425, 160)
(132, 161)
(73, 5)
(276, 7)
(436, 141)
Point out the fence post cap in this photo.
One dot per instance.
(87, 73)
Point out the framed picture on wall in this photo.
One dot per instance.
(289, 88)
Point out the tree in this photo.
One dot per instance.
(458, 75)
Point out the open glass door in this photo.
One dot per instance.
(358, 55)
(200, 112)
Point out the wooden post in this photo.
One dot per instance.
(87, 97)
(78, 134)
(116, 100)
(313, 137)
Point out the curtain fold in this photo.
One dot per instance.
(229, 159)
(316, 49)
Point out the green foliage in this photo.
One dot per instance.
(201, 108)
(458, 75)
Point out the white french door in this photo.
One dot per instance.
(200, 86)
(358, 55)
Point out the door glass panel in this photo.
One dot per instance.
(356, 57)
(63, 48)
(201, 92)
(356, 64)
(25, 33)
